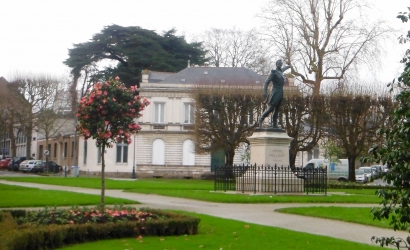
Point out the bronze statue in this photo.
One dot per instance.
(274, 99)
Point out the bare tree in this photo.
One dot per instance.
(37, 93)
(13, 106)
(302, 118)
(52, 121)
(236, 48)
(224, 118)
(321, 39)
(353, 120)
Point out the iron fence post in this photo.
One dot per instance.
(215, 177)
(254, 180)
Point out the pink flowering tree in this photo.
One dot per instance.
(107, 114)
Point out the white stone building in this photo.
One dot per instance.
(164, 147)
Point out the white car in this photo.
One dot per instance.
(28, 165)
(361, 176)
(368, 171)
(385, 169)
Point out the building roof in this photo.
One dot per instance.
(155, 76)
(215, 75)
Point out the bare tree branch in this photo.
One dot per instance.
(321, 34)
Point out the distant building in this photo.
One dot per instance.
(165, 145)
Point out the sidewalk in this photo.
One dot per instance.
(262, 214)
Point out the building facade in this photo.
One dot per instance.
(165, 145)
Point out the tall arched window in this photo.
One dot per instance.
(158, 152)
(188, 153)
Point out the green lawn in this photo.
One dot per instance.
(203, 190)
(16, 196)
(214, 233)
(359, 215)
(217, 233)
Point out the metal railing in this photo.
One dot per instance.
(270, 179)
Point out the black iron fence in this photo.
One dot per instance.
(270, 179)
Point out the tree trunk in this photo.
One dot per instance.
(13, 147)
(292, 159)
(102, 174)
(316, 89)
(229, 155)
(292, 153)
(352, 163)
(29, 134)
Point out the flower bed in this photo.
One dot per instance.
(53, 228)
(85, 215)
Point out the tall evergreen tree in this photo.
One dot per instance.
(134, 49)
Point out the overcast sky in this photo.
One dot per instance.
(36, 34)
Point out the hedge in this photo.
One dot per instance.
(33, 237)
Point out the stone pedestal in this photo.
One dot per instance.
(269, 147)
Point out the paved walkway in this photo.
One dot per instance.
(262, 214)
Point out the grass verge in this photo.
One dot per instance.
(360, 215)
(16, 196)
(203, 190)
(217, 233)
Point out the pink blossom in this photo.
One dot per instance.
(117, 78)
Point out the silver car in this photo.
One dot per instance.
(361, 176)
(28, 165)
(377, 171)
(368, 171)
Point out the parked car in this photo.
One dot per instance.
(377, 171)
(15, 163)
(39, 167)
(52, 167)
(5, 163)
(361, 176)
(385, 169)
(369, 172)
(28, 165)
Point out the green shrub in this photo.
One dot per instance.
(33, 236)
